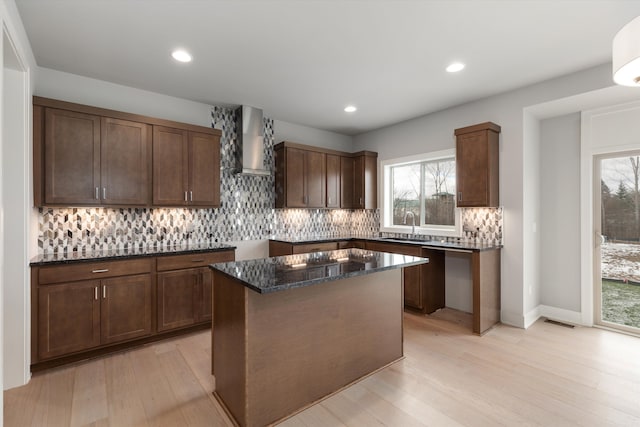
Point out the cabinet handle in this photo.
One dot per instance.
(185, 197)
(197, 260)
(102, 270)
(360, 201)
(104, 291)
(97, 193)
(191, 195)
(104, 193)
(459, 196)
(95, 293)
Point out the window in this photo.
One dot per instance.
(421, 190)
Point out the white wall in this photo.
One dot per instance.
(15, 178)
(284, 131)
(560, 202)
(435, 132)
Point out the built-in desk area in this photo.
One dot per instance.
(424, 286)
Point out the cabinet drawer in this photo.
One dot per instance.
(394, 248)
(178, 262)
(315, 247)
(93, 270)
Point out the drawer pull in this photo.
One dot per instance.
(197, 260)
(102, 270)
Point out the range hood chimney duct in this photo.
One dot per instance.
(251, 141)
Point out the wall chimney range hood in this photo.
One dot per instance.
(250, 159)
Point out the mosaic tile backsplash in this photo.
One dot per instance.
(246, 212)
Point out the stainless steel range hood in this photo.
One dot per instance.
(250, 159)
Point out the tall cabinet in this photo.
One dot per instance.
(477, 164)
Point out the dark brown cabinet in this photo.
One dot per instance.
(94, 307)
(477, 164)
(347, 168)
(333, 181)
(92, 160)
(89, 156)
(185, 168)
(413, 280)
(185, 289)
(75, 315)
(312, 177)
(301, 175)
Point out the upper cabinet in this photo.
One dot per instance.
(313, 177)
(300, 177)
(477, 165)
(88, 156)
(186, 168)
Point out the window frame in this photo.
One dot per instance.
(386, 196)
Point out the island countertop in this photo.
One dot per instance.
(266, 275)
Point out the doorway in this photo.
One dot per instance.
(617, 241)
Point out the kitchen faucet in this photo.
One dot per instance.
(413, 220)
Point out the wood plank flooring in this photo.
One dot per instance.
(548, 375)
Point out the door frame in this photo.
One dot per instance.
(619, 123)
(597, 233)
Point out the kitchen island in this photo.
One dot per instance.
(292, 330)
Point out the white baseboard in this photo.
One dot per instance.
(554, 313)
(512, 319)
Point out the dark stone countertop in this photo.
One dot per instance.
(121, 254)
(274, 274)
(442, 243)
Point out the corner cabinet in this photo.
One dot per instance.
(184, 288)
(88, 156)
(477, 165)
(313, 177)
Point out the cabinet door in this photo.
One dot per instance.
(71, 158)
(177, 298)
(315, 179)
(125, 158)
(170, 166)
(333, 181)
(413, 296)
(295, 172)
(472, 179)
(125, 308)
(204, 169)
(206, 278)
(346, 182)
(68, 318)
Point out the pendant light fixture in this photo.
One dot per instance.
(626, 54)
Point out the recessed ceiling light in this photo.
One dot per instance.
(350, 108)
(455, 67)
(181, 55)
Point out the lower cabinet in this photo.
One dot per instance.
(83, 314)
(185, 289)
(91, 306)
(413, 277)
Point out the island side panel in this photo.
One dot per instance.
(229, 345)
(485, 267)
(306, 343)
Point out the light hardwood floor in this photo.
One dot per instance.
(548, 375)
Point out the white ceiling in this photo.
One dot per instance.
(303, 61)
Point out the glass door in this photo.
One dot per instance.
(617, 241)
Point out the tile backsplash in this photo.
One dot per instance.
(246, 213)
